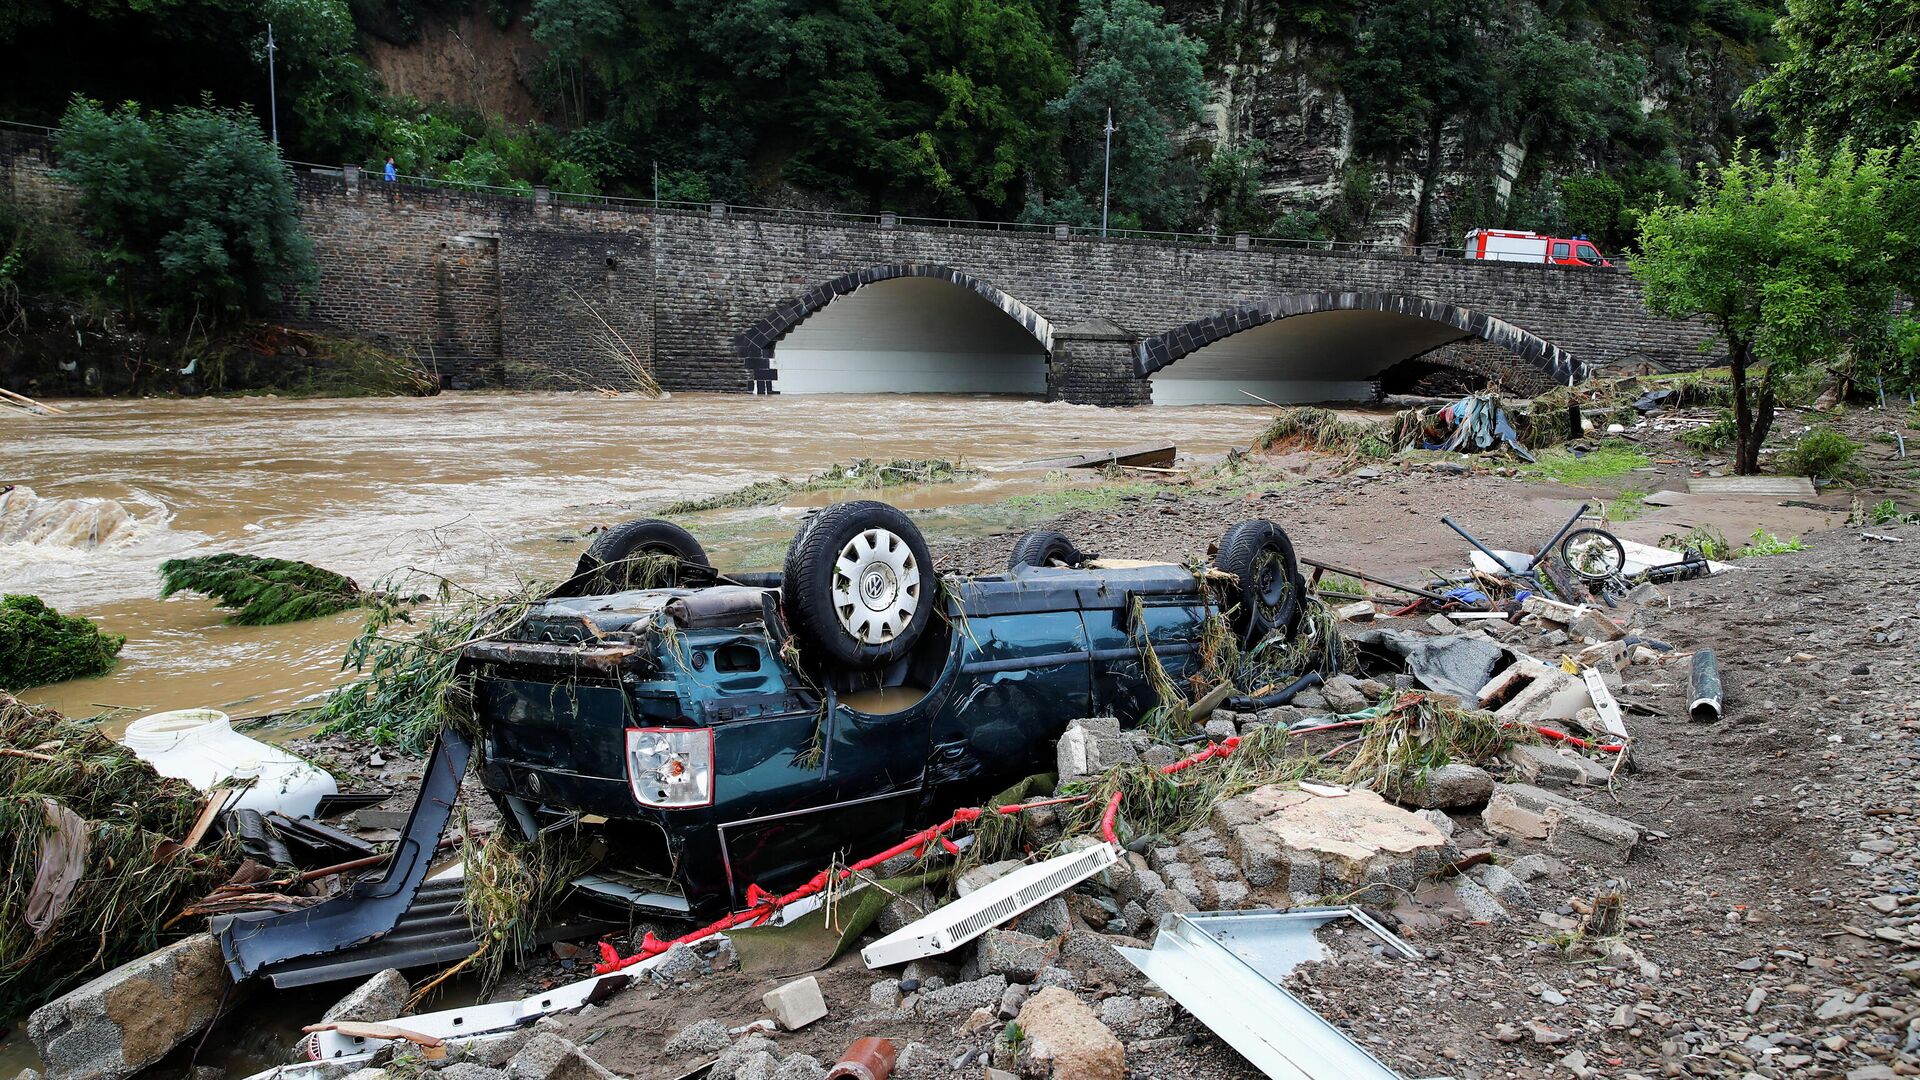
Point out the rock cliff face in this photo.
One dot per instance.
(1278, 82)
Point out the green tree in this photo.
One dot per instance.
(1852, 70)
(1130, 60)
(1790, 261)
(192, 208)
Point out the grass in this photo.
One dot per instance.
(1884, 512)
(864, 474)
(1714, 437)
(262, 591)
(1627, 505)
(1344, 585)
(1606, 461)
(1323, 430)
(38, 645)
(1763, 542)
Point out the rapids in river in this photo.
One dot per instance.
(484, 488)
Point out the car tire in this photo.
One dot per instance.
(601, 570)
(1044, 547)
(858, 585)
(1268, 593)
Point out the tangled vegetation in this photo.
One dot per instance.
(513, 888)
(864, 474)
(262, 591)
(59, 775)
(1312, 428)
(407, 689)
(38, 645)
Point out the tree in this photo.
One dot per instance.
(192, 209)
(1852, 70)
(1791, 261)
(1148, 72)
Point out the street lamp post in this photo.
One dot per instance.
(1106, 176)
(273, 99)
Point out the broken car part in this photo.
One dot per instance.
(372, 906)
(1227, 969)
(1703, 688)
(1243, 703)
(952, 926)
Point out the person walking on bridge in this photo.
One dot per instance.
(393, 174)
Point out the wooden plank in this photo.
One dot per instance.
(1750, 485)
(1145, 455)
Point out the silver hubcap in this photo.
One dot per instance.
(876, 586)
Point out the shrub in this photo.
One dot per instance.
(1713, 437)
(1824, 454)
(38, 645)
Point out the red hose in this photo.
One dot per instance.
(1107, 819)
(1574, 740)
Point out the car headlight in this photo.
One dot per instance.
(671, 767)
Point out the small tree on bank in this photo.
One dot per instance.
(1792, 262)
(192, 210)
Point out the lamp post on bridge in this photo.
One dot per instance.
(273, 98)
(1106, 176)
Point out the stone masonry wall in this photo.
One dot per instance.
(529, 292)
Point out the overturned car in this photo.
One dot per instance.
(725, 731)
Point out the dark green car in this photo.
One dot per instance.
(734, 730)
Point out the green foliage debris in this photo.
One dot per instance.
(864, 474)
(1310, 428)
(1763, 542)
(1712, 437)
(262, 591)
(1824, 454)
(38, 645)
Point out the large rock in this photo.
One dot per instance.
(379, 998)
(130, 1017)
(1357, 845)
(1452, 785)
(1064, 1039)
(549, 1057)
(1565, 826)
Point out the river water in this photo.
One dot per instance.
(483, 488)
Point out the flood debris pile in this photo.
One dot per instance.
(862, 474)
(38, 645)
(97, 866)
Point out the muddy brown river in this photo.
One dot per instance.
(483, 488)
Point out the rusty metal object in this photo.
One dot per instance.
(589, 659)
(869, 1058)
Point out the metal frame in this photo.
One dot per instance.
(1226, 968)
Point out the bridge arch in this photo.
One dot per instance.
(905, 285)
(1318, 346)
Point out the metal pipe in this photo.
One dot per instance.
(1475, 541)
(1243, 703)
(1703, 687)
(1564, 530)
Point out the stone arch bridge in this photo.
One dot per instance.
(538, 291)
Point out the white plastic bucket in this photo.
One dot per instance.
(201, 747)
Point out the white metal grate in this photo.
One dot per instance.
(988, 906)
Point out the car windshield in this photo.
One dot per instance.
(1587, 252)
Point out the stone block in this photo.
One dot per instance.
(796, 1004)
(1344, 694)
(1505, 886)
(1356, 844)
(1452, 785)
(379, 998)
(1065, 1039)
(1566, 827)
(1549, 766)
(1529, 691)
(1017, 956)
(711, 1036)
(549, 1057)
(962, 998)
(126, 1019)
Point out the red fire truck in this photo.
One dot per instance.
(1510, 245)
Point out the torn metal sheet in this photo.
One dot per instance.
(990, 905)
(372, 906)
(1227, 967)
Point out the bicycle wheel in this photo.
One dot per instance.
(1593, 554)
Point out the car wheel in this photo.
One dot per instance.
(859, 584)
(1044, 547)
(612, 562)
(1268, 591)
